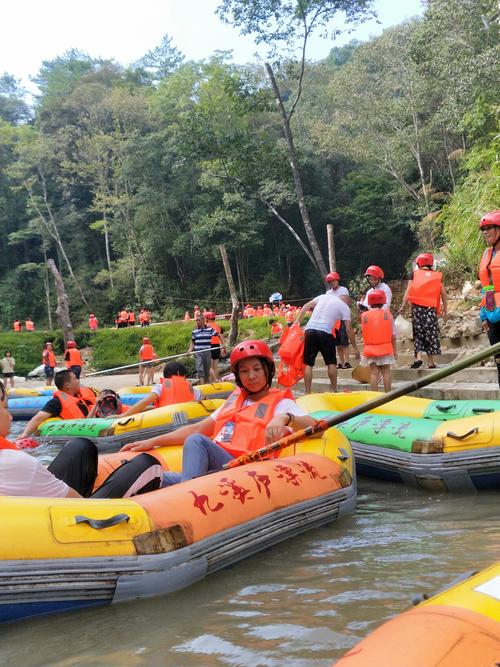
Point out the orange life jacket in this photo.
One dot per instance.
(49, 358)
(215, 340)
(131, 317)
(376, 329)
(72, 357)
(289, 317)
(175, 389)
(425, 289)
(276, 328)
(187, 316)
(29, 325)
(92, 323)
(489, 273)
(7, 444)
(146, 352)
(146, 316)
(72, 405)
(266, 311)
(241, 429)
(123, 316)
(336, 327)
(17, 325)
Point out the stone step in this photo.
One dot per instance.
(404, 359)
(437, 391)
(474, 374)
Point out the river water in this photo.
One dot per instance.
(301, 604)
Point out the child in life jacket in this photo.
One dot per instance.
(379, 338)
(146, 357)
(108, 404)
(254, 415)
(173, 388)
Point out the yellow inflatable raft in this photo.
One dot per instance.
(60, 554)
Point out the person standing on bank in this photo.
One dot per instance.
(7, 364)
(379, 340)
(49, 362)
(201, 344)
(489, 275)
(341, 339)
(425, 292)
(327, 309)
(375, 276)
(73, 359)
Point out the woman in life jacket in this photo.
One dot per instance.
(73, 358)
(173, 388)
(489, 275)
(379, 340)
(254, 415)
(49, 362)
(425, 292)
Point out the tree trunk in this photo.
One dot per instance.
(235, 310)
(299, 191)
(332, 260)
(62, 309)
(108, 250)
(46, 285)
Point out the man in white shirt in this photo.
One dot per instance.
(327, 309)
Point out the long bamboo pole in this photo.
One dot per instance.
(323, 424)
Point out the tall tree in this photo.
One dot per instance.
(275, 22)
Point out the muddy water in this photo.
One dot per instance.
(301, 604)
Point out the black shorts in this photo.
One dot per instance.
(341, 337)
(494, 336)
(49, 371)
(8, 375)
(319, 341)
(215, 353)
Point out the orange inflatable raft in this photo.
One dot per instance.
(459, 627)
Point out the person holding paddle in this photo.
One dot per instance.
(254, 415)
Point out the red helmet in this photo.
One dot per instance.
(374, 271)
(330, 277)
(376, 297)
(70, 344)
(252, 348)
(491, 218)
(425, 259)
(210, 315)
(145, 341)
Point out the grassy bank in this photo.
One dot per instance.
(117, 347)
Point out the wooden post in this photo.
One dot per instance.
(235, 310)
(62, 309)
(332, 261)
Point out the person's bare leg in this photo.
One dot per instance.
(12, 382)
(141, 375)
(308, 374)
(332, 374)
(345, 352)
(373, 377)
(341, 354)
(430, 361)
(214, 370)
(386, 377)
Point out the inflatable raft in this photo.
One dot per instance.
(413, 406)
(111, 433)
(61, 554)
(459, 455)
(459, 627)
(23, 407)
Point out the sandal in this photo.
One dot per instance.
(433, 366)
(340, 366)
(417, 363)
(347, 365)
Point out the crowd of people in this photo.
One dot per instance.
(255, 413)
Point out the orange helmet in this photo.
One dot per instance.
(491, 218)
(374, 271)
(145, 341)
(330, 277)
(425, 259)
(376, 297)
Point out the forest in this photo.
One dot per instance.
(131, 178)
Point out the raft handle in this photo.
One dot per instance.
(477, 411)
(126, 421)
(343, 455)
(464, 436)
(445, 408)
(98, 524)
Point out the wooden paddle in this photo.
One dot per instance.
(323, 424)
